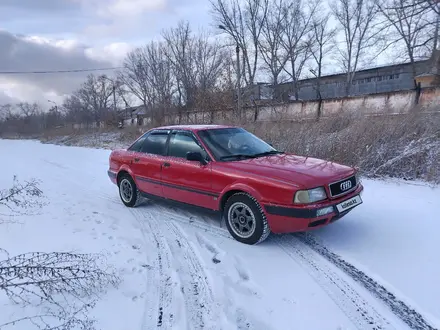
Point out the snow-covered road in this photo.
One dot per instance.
(182, 270)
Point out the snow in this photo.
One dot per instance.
(395, 238)
(181, 269)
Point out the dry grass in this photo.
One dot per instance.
(406, 146)
(401, 146)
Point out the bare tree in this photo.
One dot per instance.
(180, 52)
(9, 119)
(173, 71)
(413, 26)
(197, 62)
(227, 79)
(63, 287)
(160, 77)
(31, 116)
(148, 75)
(209, 62)
(21, 198)
(135, 75)
(95, 97)
(433, 5)
(298, 18)
(6, 111)
(28, 109)
(76, 111)
(270, 44)
(53, 290)
(357, 19)
(243, 22)
(320, 46)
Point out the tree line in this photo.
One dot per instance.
(251, 40)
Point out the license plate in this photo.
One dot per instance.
(349, 204)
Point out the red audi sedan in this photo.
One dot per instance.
(257, 188)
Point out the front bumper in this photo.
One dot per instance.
(288, 219)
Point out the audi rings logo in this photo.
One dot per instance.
(345, 185)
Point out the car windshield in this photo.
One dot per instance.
(235, 143)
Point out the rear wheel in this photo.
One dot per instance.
(245, 219)
(128, 191)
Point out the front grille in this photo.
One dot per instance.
(343, 186)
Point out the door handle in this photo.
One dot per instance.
(136, 160)
(166, 164)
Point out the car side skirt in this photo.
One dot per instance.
(202, 192)
(168, 200)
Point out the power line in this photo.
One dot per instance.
(59, 71)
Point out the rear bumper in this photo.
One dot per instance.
(288, 219)
(112, 175)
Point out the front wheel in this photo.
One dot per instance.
(245, 219)
(128, 191)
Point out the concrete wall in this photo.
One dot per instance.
(377, 104)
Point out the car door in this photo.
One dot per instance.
(147, 162)
(187, 181)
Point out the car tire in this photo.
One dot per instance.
(240, 210)
(128, 191)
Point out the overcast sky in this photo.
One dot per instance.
(38, 35)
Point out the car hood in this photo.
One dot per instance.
(304, 171)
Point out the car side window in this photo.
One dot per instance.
(182, 143)
(137, 146)
(155, 143)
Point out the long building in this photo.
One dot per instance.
(382, 79)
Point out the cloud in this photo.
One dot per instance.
(113, 53)
(33, 53)
(123, 19)
(40, 6)
(6, 99)
(130, 8)
(142, 19)
(75, 34)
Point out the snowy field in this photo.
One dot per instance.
(377, 268)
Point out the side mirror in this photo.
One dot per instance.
(196, 156)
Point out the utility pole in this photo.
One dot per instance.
(56, 105)
(237, 50)
(114, 97)
(436, 34)
(56, 112)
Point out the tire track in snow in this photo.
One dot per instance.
(363, 317)
(217, 231)
(195, 288)
(407, 314)
(198, 293)
(158, 310)
(236, 316)
(345, 296)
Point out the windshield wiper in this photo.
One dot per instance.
(247, 156)
(239, 156)
(267, 153)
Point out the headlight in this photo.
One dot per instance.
(310, 196)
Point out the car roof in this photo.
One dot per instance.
(193, 128)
